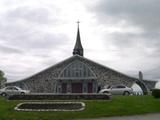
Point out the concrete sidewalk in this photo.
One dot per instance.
(134, 117)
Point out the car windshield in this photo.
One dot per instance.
(14, 88)
(119, 86)
(11, 88)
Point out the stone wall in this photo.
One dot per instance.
(45, 81)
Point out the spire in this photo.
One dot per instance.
(78, 49)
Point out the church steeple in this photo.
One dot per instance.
(78, 49)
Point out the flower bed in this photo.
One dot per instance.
(50, 106)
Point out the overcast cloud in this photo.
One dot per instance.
(139, 45)
(35, 34)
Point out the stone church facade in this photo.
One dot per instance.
(78, 74)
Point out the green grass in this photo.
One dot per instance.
(120, 105)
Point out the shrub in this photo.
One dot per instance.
(61, 97)
(156, 93)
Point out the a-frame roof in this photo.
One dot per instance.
(75, 57)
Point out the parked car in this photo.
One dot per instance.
(118, 90)
(12, 90)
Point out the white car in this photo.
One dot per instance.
(118, 90)
(13, 90)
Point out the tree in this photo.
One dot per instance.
(2, 79)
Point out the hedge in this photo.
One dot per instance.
(156, 93)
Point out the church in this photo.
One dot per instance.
(78, 74)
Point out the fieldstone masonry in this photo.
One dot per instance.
(46, 80)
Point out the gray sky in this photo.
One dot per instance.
(121, 34)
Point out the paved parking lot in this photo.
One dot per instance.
(135, 117)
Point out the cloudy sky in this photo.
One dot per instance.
(121, 34)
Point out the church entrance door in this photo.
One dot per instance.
(64, 87)
(90, 87)
(76, 87)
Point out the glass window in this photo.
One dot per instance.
(120, 86)
(9, 88)
(77, 69)
(77, 74)
(14, 88)
(114, 87)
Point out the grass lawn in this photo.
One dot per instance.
(119, 105)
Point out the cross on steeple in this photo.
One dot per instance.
(78, 23)
(78, 49)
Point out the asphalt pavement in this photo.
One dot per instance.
(134, 117)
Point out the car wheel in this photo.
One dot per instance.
(126, 93)
(22, 93)
(4, 94)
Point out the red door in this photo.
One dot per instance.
(76, 87)
(90, 87)
(64, 87)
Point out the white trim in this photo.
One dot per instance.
(19, 109)
(74, 56)
(42, 70)
(114, 70)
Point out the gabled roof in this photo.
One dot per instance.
(75, 57)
